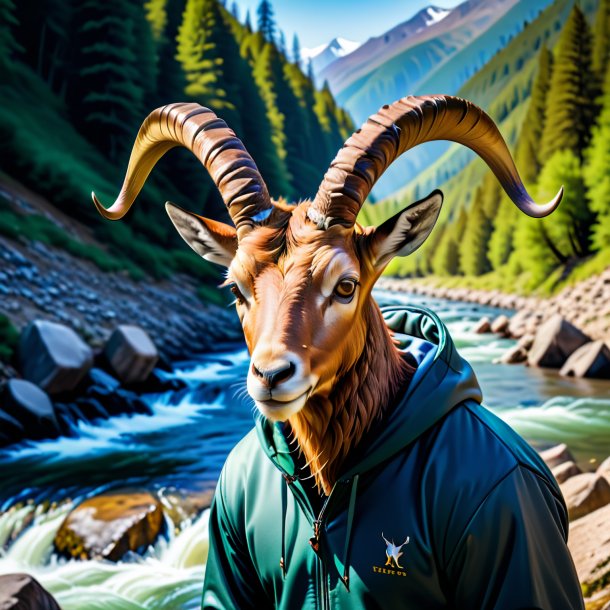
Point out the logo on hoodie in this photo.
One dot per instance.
(393, 554)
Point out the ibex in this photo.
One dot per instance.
(350, 410)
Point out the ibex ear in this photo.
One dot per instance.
(215, 241)
(406, 231)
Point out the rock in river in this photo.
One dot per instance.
(131, 353)
(590, 360)
(109, 525)
(53, 356)
(23, 592)
(31, 407)
(555, 340)
(585, 493)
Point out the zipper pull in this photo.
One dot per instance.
(314, 541)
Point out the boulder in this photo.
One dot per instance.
(482, 326)
(131, 353)
(53, 356)
(98, 377)
(565, 470)
(109, 525)
(556, 455)
(11, 430)
(585, 493)
(555, 340)
(604, 469)
(589, 544)
(514, 355)
(31, 407)
(500, 325)
(526, 341)
(516, 325)
(590, 360)
(23, 592)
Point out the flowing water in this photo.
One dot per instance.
(184, 444)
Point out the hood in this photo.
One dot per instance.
(442, 380)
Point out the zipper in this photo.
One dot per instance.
(314, 541)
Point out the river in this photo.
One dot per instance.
(184, 444)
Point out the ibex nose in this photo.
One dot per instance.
(273, 376)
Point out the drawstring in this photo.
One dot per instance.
(288, 481)
(348, 536)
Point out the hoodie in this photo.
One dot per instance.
(446, 507)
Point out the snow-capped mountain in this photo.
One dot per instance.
(324, 54)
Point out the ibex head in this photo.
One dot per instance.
(302, 275)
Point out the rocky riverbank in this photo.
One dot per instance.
(569, 332)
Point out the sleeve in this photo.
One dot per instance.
(513, 552)
(231, 581)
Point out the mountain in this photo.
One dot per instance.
(439, 58)
(325, 54)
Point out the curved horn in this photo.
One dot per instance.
(217, 147)
(400, 126)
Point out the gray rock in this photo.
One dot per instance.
(131, 353)
(482, 326)
(585, 493)
(556, 455)
(31, 407)
(53, 356)
(565, 470)
(514, 355)
(590, 360)
(500, 324)
(24, 592)
(555, 340)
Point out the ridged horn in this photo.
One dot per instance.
(217, 147)
(400, 126)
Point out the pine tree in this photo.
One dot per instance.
(445, 257)
(281, 44)
(266, 21)
(474, 242)
(597, 172)
(8, 45)
(198, 56)
(527, 154)
(248, 22)
(296, 50)
(572, 91)
(310, 74)
(601, 39)
(107, 97)
(156, 14)
(44, 38)
(235, 10)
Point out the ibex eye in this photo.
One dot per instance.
(239, 297)
(345, 289)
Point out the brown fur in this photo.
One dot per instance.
(330, 427)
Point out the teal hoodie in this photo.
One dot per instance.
(447, 507)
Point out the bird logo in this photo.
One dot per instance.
(393, 552)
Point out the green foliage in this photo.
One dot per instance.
(8, 45)
(572, 91)
(597, 172)
(9, 337)
(527, 154)
(601, 39)
(446, 254)
(474, 240)
(568, 227)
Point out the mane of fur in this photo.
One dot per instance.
(330, 427)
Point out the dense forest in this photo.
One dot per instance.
(564, 139)
(78, 78)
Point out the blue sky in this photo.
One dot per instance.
(319, 21)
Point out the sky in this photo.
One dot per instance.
(319, 21)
